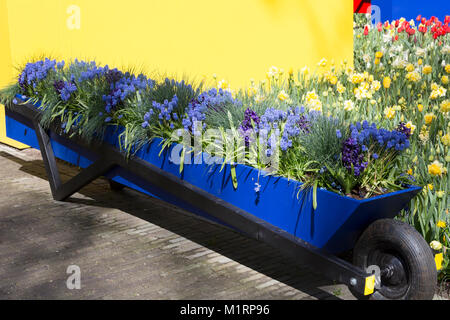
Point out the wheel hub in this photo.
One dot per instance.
(393, 274)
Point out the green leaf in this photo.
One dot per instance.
(315, 195)
(183, 151)
(233, 176)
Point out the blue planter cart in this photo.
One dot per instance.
(278, 214)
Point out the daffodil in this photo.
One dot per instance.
(283, 96)
(349, 105)
(440, 194)
(446, 139)
(389, 113)
(441, 224)
(445, 106)
(322, 63)
(340, 88)
(436, 168)
(436, 245)
(427, 69)
(447, 68)
(410, 125)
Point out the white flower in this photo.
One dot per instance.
(349, 105)
(435, 245)
(420, 52)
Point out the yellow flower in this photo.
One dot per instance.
(259, 98)
(340, 88)
(428, 118)
(283, 96)
(291, 71)
(386, 82)
(305, 70)
(356, 78)
(311, 95)
(378, 54)
(377, 61)
(223, 84)
(419, 62)
(445, 106)
(447, 68)
(410, 171)
(436, 168)
(333, 79)
(444, 79)
(441, 224)
(322, 63)
(389, 113)
(411, 126)
(349, 105)
(413, 76)
(427, 69)
(430, 187)
(273, 72)
(436, 245)
(440, 194)
(446, 139)
(420, 107)
(410, 67)
(251, 91)
(376, 85)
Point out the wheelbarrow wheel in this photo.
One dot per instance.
(404, 259)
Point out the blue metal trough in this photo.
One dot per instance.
(334, 226)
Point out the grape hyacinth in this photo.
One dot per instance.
(35, 72)
(196, 111)
(64, 89)
(386, 139)
(246, 128)
(122, 86)
(352, 156)
(165, 112)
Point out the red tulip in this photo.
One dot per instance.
(366, 30)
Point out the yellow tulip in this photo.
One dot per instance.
(386, 82)
(429, 118)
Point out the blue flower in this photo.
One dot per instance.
(338, 134)
(375, 156)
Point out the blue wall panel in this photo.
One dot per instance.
(410, 9)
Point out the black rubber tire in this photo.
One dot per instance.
(402, 246)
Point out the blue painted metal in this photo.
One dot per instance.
(410, 9)
(334, 226)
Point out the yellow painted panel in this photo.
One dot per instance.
(235, 39)
(6, 72)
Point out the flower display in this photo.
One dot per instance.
(360, 129)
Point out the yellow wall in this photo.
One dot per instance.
(235, 39)
(6, 71)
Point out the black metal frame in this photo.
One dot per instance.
(330, 265)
